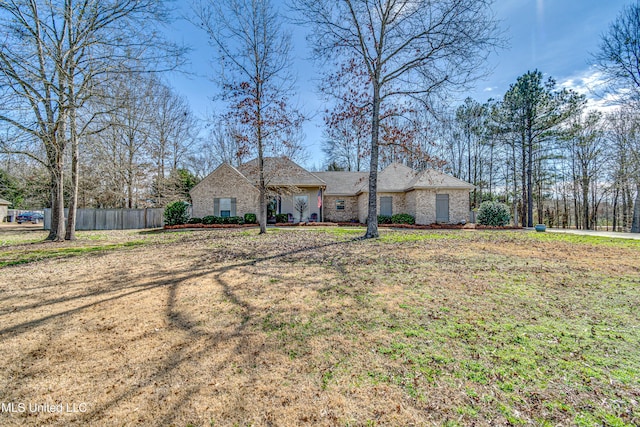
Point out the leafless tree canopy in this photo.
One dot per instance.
(254, 56)
(619, 53)
(404, 48)
(52, 56)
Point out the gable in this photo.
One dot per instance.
(395, 178)
(280, 172)
(223, 176)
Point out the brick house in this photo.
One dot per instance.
(430, 196)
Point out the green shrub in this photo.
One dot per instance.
(493, 213)
(195, 220)
(282, 218)
(384, 219)
(250, 218)
(210, 219)
(403, 218)
(176, 213)
(232, 220)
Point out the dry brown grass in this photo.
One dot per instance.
(312, 327)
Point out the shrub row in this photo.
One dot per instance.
(401, 218)
(177, 213)
(211, 219)
(249, 218)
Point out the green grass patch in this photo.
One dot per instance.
(17, 257)
(585, 240)
(404, 236)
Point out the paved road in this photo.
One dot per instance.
(613, 234)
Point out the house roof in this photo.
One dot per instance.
(4, 202)
(394, 178)
(431, 178)
(397, 178)
(343, 183)
(280, 171)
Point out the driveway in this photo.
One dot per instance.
(613, 234)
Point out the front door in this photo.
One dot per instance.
(272, 210)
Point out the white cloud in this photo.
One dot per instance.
(592, 83)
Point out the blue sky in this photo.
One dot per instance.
(556, 37)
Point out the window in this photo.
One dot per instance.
(386, 206)
(224, 207)
(339, 205)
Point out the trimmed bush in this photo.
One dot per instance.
(493, 213)
(250, 218)
(195, 220)
(210, 219)
(232, 220)
(282, 218)
(403, 218)
(176, 213)
(384, 219)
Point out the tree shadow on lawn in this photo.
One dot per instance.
(194, 347)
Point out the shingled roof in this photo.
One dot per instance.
(280, 171)
(430, 178)
(343, 183)
(397, 178)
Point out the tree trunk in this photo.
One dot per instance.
(530, 180)
(58, 207)
(54, 203)
(73, 203)
(262, 188)
(262, 192)
(615, 210)
(635, 223)
(586, 223)
(75, 173)
(372, 217)
(523, 189)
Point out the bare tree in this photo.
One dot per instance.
(53, 54)
(619, 59)
(619, 54)
(254, 55)
(585, 146)
(172, 126)
(301, 207)
(406, 48)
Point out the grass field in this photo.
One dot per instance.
(316, 327)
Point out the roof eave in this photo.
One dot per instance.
(440, 187)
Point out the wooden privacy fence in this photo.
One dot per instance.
(113, 219)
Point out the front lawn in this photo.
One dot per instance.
(316, 327)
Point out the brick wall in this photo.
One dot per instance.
(425, 205)
(224, 182)
(350, 209)
(398, 204)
